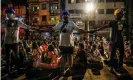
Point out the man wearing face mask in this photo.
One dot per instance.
(118, 27)
(12, 26)
(66, 40)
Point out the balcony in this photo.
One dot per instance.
(34, 12)
(56, 13)
(34, 21)
(75, 16)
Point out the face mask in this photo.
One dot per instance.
(119, 16)
(65, 17)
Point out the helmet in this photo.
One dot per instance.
(10, 10)
(65, 12)
(118, 11)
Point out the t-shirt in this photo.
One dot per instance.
(66, 39)
(117, 30)
(12, 30)
(44, 47)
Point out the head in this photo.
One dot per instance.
(51, 47)
(94, 46)
(118, 13)
(10, 13)
(35, 48)
(65, 15)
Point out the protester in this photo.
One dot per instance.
(12, 26)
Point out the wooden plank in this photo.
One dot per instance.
(129, 69)
(22, 77)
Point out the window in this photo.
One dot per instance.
(35, 20)
(92, 23)
(77, 1)
(44, 18)
(110, 0)
(81, 1)
(114, 0)
(35, 8)
(53, 8)
(100, 0)
(44, 6)
(52, 19)
(119, 0)
(100, 11)
(79, 11)
(71, 1)
(110, 11)
(71, 11)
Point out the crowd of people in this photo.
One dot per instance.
(43, 53)
(48, 51)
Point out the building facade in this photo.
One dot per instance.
(44, 12)
(103, 11)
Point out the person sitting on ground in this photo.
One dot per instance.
(96, 55)
(56, 50)
(50, 60)
(80, 63)
(81, 57)
(44, 46)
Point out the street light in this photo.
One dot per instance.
(89, 7)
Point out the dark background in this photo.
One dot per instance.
(14, 2)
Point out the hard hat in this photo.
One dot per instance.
(10, 10)
(118, 11)
(65, 12)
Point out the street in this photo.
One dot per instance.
(66, 40)
(103, 74)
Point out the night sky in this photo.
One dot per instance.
(14, 2)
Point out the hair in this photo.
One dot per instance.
(34, 45)
(39, 43)
(54, 44)
(51, 47)
(94, 46)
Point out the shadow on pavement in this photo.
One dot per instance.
(95, 67)
(78, 72)
(122, 75)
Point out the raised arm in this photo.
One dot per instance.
(21, 24)
(104, 26)
(78, 29)
(101, 28)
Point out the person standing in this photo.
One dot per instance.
(12, 26)
(66, 38)
(118, 27)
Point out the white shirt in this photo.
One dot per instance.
(66, 39)
(12, 32)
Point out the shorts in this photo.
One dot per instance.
(66, 50)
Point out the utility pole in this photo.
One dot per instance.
(27, 19)
(62, 7)
(63, 4)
